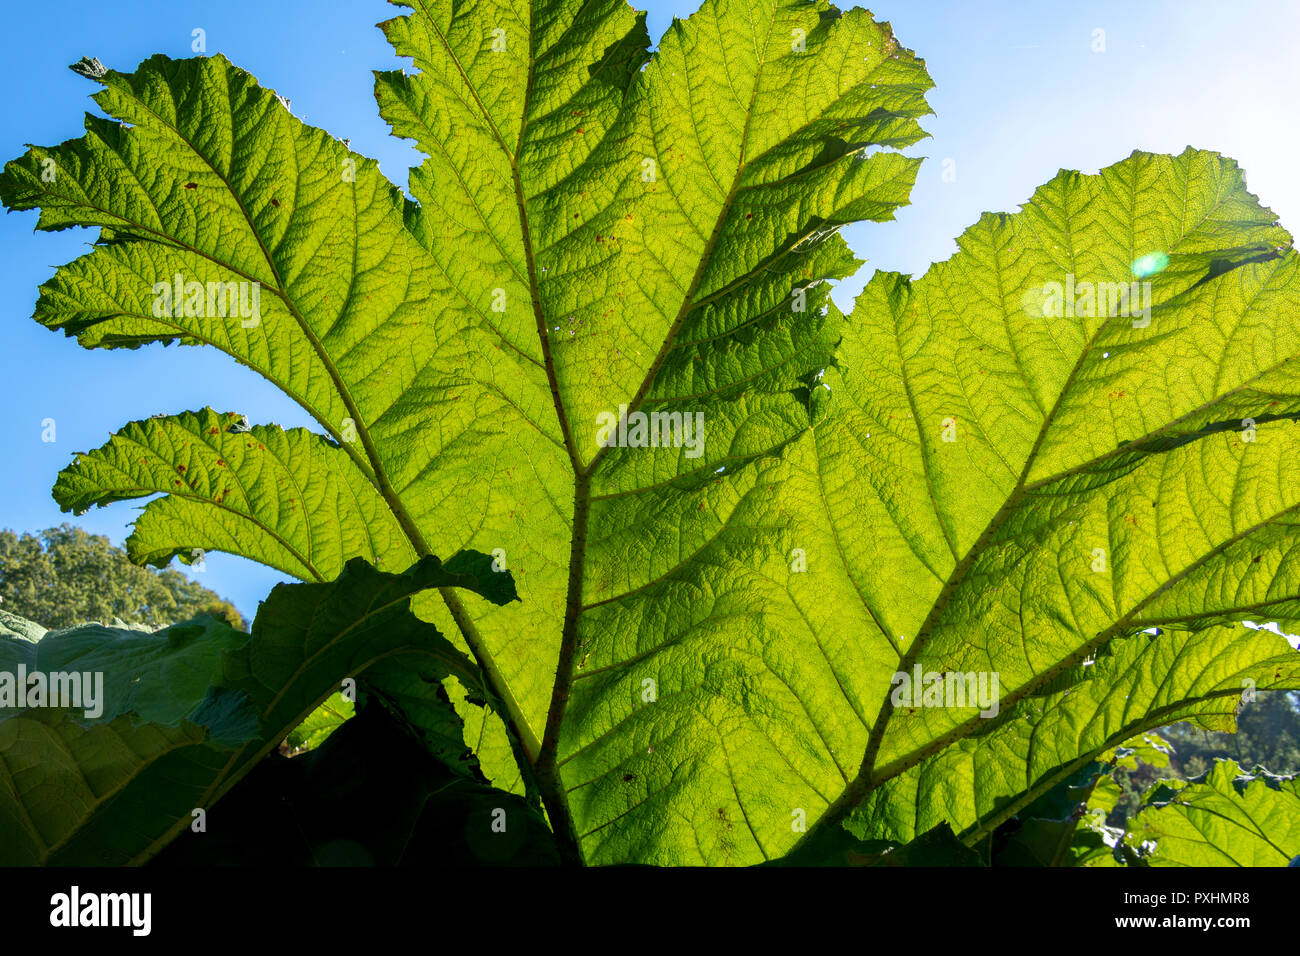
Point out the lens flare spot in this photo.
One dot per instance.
(1150, 264)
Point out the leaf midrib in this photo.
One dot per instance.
(547, 769)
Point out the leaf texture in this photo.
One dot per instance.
(967, 474)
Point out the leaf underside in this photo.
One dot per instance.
(1223, 818)
(187, 711)
(703, 652)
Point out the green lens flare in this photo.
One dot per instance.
(1150, 264)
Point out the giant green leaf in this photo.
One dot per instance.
(1137, 683)
(1223, 818)
(1028, 488)
(186, 711)
(699, 194)
(700, 669)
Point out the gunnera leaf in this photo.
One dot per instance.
(1222, 818)
(163, 724)
(597, 344)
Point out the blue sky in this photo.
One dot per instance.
(1020, 93)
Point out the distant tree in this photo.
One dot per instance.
(64, 576)
(1268, 735)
